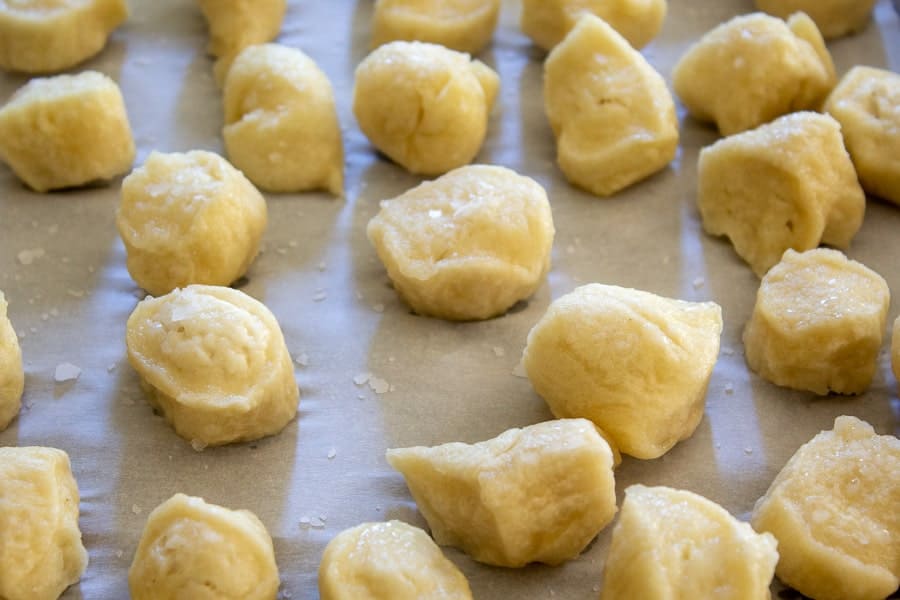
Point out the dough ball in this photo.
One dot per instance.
(44, 36)
(547, 22)
(281, 126)
(66, 131)
(538, 494)
(463, 25)
(612, 115)
(675, 544)
(12, 377)
(426, 107)
(189, 218)
(214, 362)
(833, 509)
(192, 549)
(817, 324)
(467, 245)
(834, 18)
(787, 184)
(388, 561)
(41, 553)
(867, 105)
(634, 363)
(752, 69)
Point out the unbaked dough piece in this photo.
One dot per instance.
(281, 126)
(834, 18)
(867, 104)
(672, 544)
(612, 115)
(425, 106)
(193, 549)
(818, 323)
(538, 494)
(752, 69)
(189, 218)
(467, 245)
(547, 22)
(66, 131)
(388, 561)
(833, 509)
(12, 377)
(214, 362)
(634, 363)
(44, 36)
(787, 184)
(462, 25)
(41, 553)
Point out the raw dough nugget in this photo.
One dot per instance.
(66, 131)
(236, 24)
(192, 549)
(388, 561)
(41, 553)
(753, 69)
(833, 509)
(788, 184)
(43, 36)
(612, 115)
(12, 378)
(189, 218)
(634, 363)
(425, 106)
(214, 361)
(674, 544)
(538, 494)
(834, 18)
(281, 126)
(818, 323)
(547, 22)
(467, 245)
(463, 25)
(867, 104)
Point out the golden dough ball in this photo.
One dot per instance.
(547, 22)
(462, 25)
(236, 24)
(12, 377)
(834, 18)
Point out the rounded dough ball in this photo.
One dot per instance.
(41, 553)
(634, 363)
(388, 561)
(426, 107)
(818, 323)
(281, 126)
(462, 25)
(66, 131)
(833, 510)
(613, 117)
(192, 549)
(834, 18)
(189, 218)
(538, 494)
(12, 377)
(214, 362)
(752, 69)
(467, 245)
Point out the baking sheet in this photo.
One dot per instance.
(320, 277)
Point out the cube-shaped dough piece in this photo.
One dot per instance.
(388, 561)
(236, 24)
(752, 69)
(189, 218)
(547, 22)
(834, 18)
(634, 363)
(12, 377)
(833, 509)
(867, 104)
(538, 494)
(672, 544)
(66, 131)
(193, 549)
(281, 126)
(214, 362)
(467, 245)
(425, 106)
(612, 115)
(41, 36)
(462, 25)
(788, 184)
(41, 553)
(818, 323)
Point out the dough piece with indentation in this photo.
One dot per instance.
(236, 24)
(462, 25)
(12, 377)
(834, 18)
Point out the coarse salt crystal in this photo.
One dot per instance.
(378, 385)
(198, 445)
(379, 308)
(320, 295)
(302, 359)
(698, 283)
(519, 371)
(499, 351)
(729, 388)
(331, 453)
(136, 509)
(66, 372)
(362, 378)
(322, 266)
(27, 257)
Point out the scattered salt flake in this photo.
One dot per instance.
(293, 243)
(29, 404)
(22, 335)
(110, 367)
(119, 554)
(435, 213)
(302, 359)
(281, 251)
(378, 385)
(519, 371)
(698, 283)
(136, 509)
(27, 257)
(729, 388)
(198, 445)
(320, 295)
(360, 397)
(32, 329)
(322, 266)
(331, 453)
(304, 522)
(392, 388)
(596, 588)
(316, 523)
(323, 518)
(728, 351)
(66, 372)
(748, 450)
(379, 308)
(499, 351)
(362, 378)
